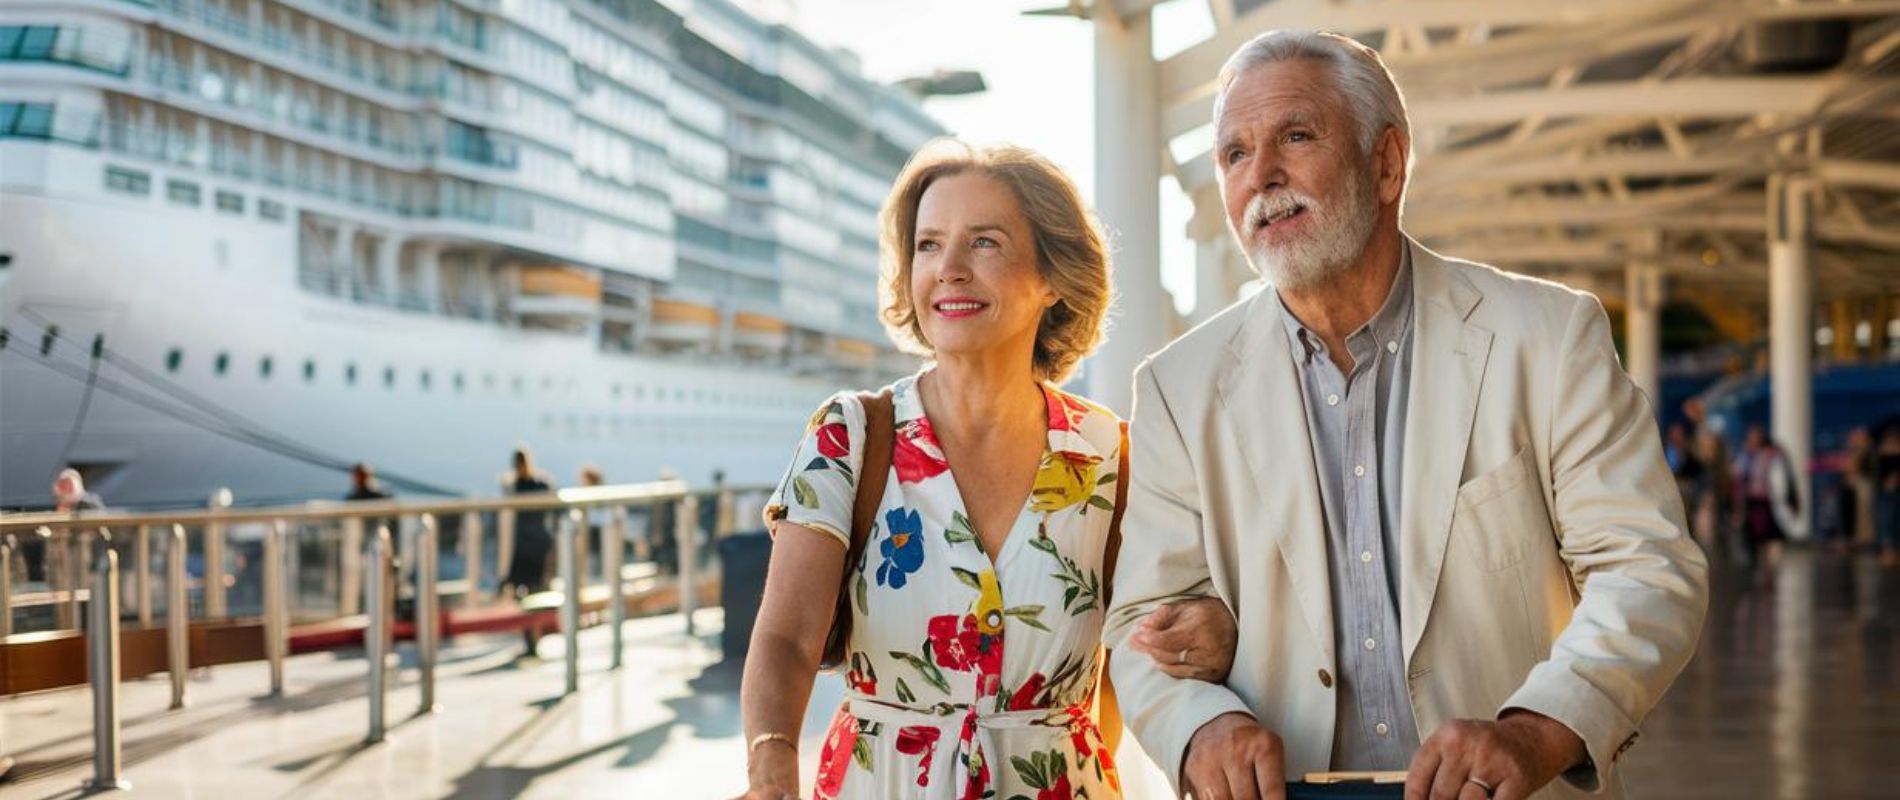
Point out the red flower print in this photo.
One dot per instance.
(1025, 696)
(834, 441)
(1059, 789)
(954, 641)
(915, 453)
(919, 739)
(835, 759)
(863, 676)
(1065, 412)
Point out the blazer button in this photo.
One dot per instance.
(1325, 679)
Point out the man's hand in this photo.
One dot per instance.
(1514, 756)
(1233, 758)
(1189, 639)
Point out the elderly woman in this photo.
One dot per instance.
(974, 656)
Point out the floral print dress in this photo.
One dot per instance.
(966, 680)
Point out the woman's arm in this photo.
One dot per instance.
(787, 641)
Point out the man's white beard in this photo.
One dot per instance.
(1339, 232)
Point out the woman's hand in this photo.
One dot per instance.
(1189, 639)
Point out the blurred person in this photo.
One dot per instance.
(1680, 453)
(364, 486)
(69, 497)
(994, 528)
(1712, 518)
(1857, 478)
(534, 540)
(1765, 490)
(1887, 491)
(1431, 494)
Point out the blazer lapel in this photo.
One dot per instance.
(1447, 370)
(1265, 414)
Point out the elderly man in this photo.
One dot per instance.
(1435, 504)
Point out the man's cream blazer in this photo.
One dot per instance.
(1544, 562)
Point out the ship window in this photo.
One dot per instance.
(230, 201)
(389, 377)
(182, 192)
(547, 383)
(488, 381)
(516, 384)
(129, 181)
(222, 363)
(309, 370)
(263, 367)
(349, 374)
(459, 383)
(616, 391)
(269, 209)
(425, 380)
(639, 392)
(173, 359)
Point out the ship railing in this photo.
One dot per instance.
(220, 585)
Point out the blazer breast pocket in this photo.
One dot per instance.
(1501, 513)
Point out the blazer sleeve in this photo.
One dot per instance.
(1162, 559)
(1643, 582)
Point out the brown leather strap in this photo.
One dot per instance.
(875, 469)
(1113, 550)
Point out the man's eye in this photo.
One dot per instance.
(1233, 156)
(1299, 136)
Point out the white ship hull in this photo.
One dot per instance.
(153, 277)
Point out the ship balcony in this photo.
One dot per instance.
(554, 305)
(683, 322)
(758, 334)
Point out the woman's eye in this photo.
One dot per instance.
(927, 246)
(984, 241)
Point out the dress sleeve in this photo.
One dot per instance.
(820, 486)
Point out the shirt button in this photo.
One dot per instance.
(1332, 399)
(1371, 644)
(1359, 470)
(1391, 347)
(1365, 557)
(1382, 728)
(1325, 679)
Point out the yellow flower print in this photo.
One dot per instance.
(1063, 480)
(989, 604)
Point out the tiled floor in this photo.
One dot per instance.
(1795, 694)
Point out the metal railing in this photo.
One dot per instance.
(68, 541)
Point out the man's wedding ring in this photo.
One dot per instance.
(1180, 658)
(1489, 790)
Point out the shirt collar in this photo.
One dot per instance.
(1390, 324)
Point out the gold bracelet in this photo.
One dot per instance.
(771, 737)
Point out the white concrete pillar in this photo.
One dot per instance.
(388, 251)
(1128, 197)
(1642, 328)
(1791, 320)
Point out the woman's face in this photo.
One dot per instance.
(974, 278)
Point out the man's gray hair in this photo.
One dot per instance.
(1361, 76)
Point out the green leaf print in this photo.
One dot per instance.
(904, 694)
(1101, 502)
(803, 493)
(1107, 479)
(960, 530)
(924, 668)
(1028, 772)
(1045, 544)
(968, 578)
(864, 589)
(1027, 615)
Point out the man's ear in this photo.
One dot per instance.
(1392, 151)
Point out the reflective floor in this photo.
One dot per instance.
(1794, 694)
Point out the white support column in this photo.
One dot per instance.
(1791, 320)
(1128, 197)
(1215, 256)
(1642, 328)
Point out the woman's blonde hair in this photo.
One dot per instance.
(1070, 254)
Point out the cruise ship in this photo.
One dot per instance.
(246, 243)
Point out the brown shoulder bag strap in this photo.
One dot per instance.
(1112, 552)
(874, 470)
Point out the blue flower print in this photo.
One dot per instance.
(903, 548)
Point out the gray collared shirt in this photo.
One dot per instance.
(1357, 424)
